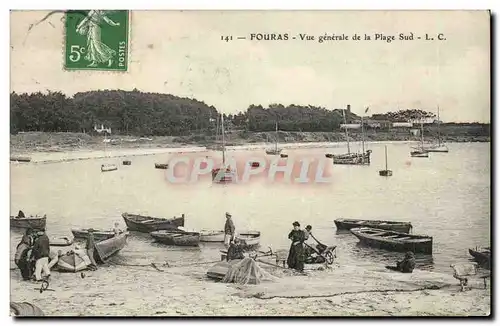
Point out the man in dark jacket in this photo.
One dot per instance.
(229, 230)
(41, 253)
(235, 250)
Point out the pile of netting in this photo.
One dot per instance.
(247, 271)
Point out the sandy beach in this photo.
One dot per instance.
(186, 291)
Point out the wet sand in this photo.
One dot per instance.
(185, 291)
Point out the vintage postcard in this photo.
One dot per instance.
(250, 163)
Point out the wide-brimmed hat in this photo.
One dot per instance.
(228, 214)
(296, 223)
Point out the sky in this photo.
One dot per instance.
(181, 53)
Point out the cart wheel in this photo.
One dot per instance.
(329, 258)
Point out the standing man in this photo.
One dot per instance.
(229, 230)
(41, 252)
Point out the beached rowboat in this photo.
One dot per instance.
(482, 256)
(179, 238)
(394, 241)
(20, 158)
(107, 248)
(347, 224)
(248, 238)
(149, 224)
(73, 262)
(28, 222)
(99, 235)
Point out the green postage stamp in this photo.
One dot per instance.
(97, 40)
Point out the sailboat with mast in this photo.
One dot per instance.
(386, 172)
(223, 174)
(353, 158)
(275, 150)
(420, 151)
(440, 147)
(106, 167)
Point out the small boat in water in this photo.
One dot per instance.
(28, 222)
(393, 241)
(107, 248)
(177, 238)
(482, 256)
(25, 159)
(99, 235)
(162, 166)
(419, 153)
(149, 224)
(347, 224)
(386, 172)
(108, 167)
(127, 162)
(247, 238)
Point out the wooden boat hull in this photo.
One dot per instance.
(149, 224)
(385, 173)
(109, 168)
(99, 235)
(161, 166)
(419, 154)
(211, 236)
(28, 222)
(483, 258)
(25, 159)
(60, 242)
(25, 309)
(347, 224)
(185, 239)
(127, 163)
(329, 155)
(273, 151)
(107, 248)
(352, 159)
(72, 263)
(249, 238)
(402, 242)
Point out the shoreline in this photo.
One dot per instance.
(42, 147)
(339, 291)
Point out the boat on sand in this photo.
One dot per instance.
(36, 222)
(347, 224)
(393, 241)
(149, 224)
(248, 238)
(177, 238)
(482, 256)
(107, 248)
(99, 235)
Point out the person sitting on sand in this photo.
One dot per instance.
(235, 250)
(407, 265)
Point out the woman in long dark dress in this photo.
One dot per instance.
(296, 254)
(22, 257)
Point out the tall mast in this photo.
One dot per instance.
(362, 135)
(346, 134)
(422, 132)
(386, 157)
(276, 143)
(223, 141)
(439, 129)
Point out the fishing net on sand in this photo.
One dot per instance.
(247, 271)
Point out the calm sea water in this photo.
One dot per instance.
(446, 196)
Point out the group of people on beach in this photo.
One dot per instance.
(301, 251)
(35, 259)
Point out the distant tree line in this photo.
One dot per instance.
(140, 113)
